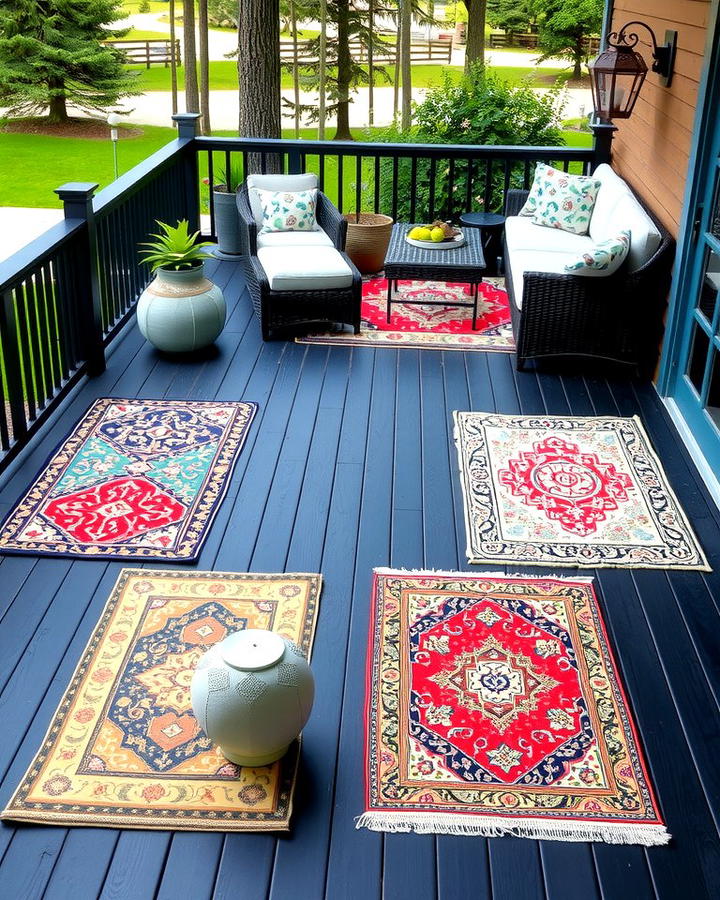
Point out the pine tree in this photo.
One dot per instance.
(51, 56)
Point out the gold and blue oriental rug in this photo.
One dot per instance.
(124, 749)
(135, 479)
(569, 491)
(494, 706)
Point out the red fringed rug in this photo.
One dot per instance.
(494, 706)
(429, 327)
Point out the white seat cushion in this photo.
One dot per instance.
(304, 268)
(616, 209)
(317, 238)
(305, 182)
(522, 261)
(522, 234)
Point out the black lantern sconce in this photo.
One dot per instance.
(617, 74)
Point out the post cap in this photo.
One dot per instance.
(76, 190)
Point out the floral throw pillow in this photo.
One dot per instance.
(288, 210)
(603, 258)
(566, 201)
(536, 189)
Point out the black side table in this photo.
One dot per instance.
(492, 226)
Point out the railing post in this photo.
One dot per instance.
(187, 130)
(602, 141)
(77, 204)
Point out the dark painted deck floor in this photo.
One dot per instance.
(350, 465)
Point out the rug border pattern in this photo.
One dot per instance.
(583, 826)
(134, 819)
(475, 553)
(204, 509)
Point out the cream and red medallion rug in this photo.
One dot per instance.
(429, 327)
(136, 478)
(565, 491)
(124, 749)
(493, 707)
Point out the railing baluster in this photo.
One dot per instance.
(376, 201)
(431, 198)
(413, 189)
(469, 185)
(47, 332)
(340, 160)
(358, 184)
(43, 337)
(9, 331)
(52, 329)
(395, 164)
(26, 365)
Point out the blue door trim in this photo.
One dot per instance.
(704, 128)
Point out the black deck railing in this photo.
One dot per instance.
(67, 294)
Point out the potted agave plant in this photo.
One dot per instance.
(180, 310)
(227, 219)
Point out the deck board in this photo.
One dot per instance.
(350, 464)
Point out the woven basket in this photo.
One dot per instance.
(367, 240)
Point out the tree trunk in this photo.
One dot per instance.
(405, 65)
(475, 44)
(173, 59)
(259, 75)
(396, 75)
(295, 68)
(204, 67)
(322, 74)
(192, 97)
(342, 131)
(579, 57)
(371, 70)
(57, 112)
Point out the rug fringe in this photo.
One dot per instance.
(383, 570)
(497, 826)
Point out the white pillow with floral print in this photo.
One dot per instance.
(536, 189)
(566, 201)
(603, 258)
(288, 210)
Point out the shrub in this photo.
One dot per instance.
(481, 109)
(144, 6)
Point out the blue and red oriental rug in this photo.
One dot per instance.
(136, 479)
(494, 706)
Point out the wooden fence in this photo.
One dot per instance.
(148, 53)
(529, 41)
(420, 51)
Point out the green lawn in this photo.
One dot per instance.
(136, 34)
(223, 76)
(54, 160)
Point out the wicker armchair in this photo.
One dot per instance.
(291, 309)
(618, 318)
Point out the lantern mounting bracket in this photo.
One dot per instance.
(663, 54)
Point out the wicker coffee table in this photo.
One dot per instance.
(464, 264)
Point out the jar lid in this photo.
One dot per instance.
(252, 649)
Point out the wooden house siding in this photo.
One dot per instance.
(652, 147)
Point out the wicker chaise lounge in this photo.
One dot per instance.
(299, 279)
(618, 318)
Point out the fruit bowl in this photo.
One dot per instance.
(456, 240)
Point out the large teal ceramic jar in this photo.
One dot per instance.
(252, 694)
(181, 310)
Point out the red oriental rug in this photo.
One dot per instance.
(135, 479)
(494, 707)
(429, 327)
(569, 491)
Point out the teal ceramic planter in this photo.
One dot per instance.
(182, 310)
